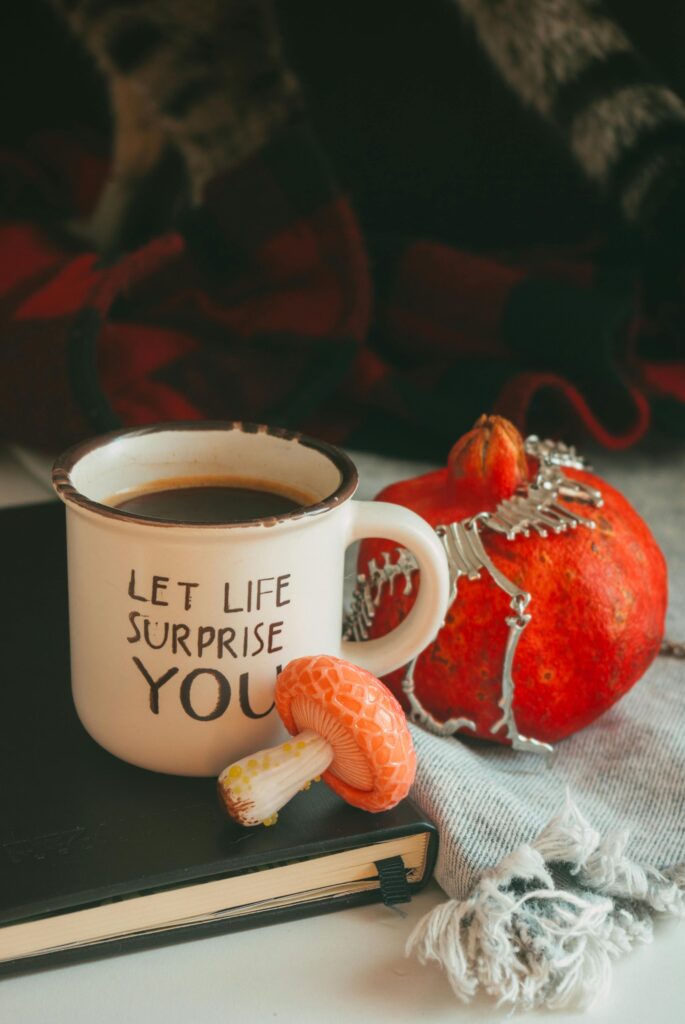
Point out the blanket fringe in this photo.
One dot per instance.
(542, 928)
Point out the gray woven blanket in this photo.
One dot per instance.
(553, 872)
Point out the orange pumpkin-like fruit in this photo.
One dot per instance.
(598, 598)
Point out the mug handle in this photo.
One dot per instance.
(400, 645)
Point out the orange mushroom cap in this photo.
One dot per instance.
(374, 762)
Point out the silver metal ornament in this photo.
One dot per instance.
(537, 508)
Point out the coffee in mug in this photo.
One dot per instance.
(203, 557)
(210, 499)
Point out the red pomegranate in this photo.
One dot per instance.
(598, 597)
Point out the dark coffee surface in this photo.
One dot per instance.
(207, 504)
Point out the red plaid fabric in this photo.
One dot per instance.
(267, 304)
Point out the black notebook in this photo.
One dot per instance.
(97, 856)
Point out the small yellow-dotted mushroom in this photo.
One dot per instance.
(348, 728)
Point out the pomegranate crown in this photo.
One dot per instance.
(490, 460)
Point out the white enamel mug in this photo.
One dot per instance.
(179, 629)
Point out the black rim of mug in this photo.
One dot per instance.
(67, 461)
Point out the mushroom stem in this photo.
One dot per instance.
(255, 788)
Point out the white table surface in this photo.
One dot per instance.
(343, 968)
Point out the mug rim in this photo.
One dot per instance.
(70, 495)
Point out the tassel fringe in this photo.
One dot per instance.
(542, 928)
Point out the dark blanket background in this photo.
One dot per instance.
(425, 253)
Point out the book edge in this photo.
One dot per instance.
(345, 859)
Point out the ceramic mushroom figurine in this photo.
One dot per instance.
(347, 728)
